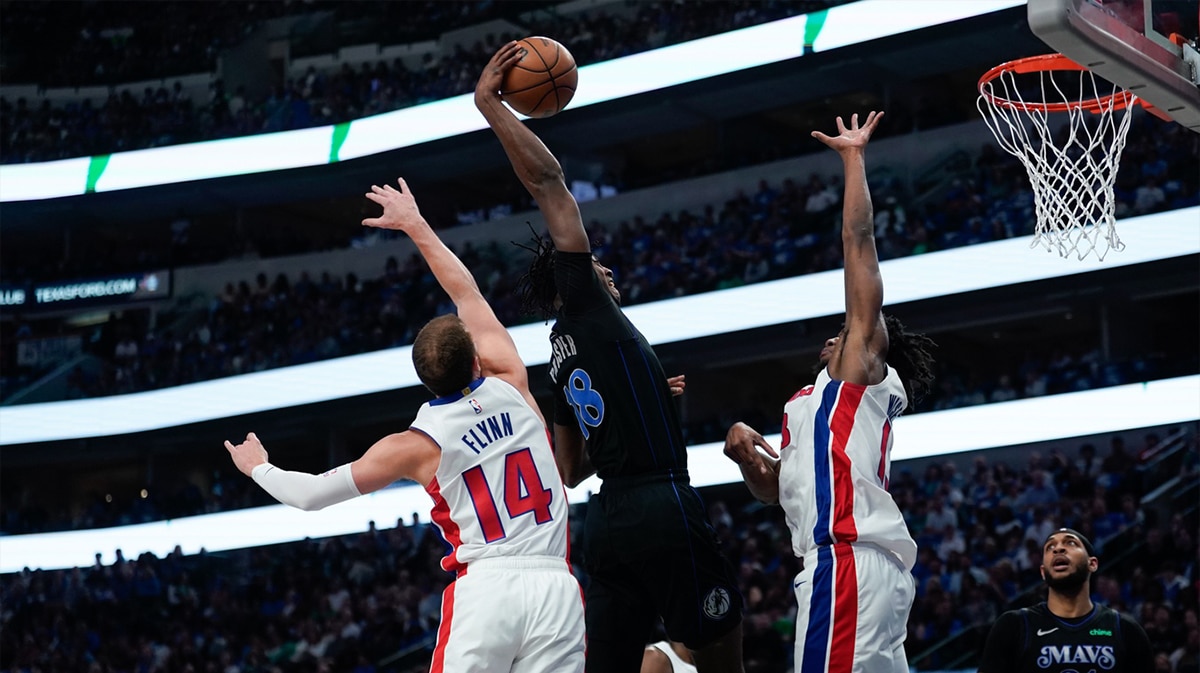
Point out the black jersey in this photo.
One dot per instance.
(1034, 640)
(608, 380)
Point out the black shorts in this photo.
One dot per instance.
(651, 553)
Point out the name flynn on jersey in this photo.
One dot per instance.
(487, 431)
(1100, 655)
(562, 346)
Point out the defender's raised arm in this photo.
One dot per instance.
(860, 358)
(498, 354)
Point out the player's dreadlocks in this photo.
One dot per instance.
(908, 354)
(537, 287)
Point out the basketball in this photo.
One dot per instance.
(543, 81)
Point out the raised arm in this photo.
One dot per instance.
(532, 161)
(498, 354)
(865, 343)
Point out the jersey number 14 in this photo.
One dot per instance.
(523, 494)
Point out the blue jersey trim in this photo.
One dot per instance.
(820, 614)
(454, 397)
(824, 482)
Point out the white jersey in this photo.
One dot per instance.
(497, 492)
(835, 466)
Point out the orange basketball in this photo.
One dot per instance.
(543, 81)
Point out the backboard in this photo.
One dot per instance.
(1146, 46)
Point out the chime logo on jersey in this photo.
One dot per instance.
(716, 603)
(476, 406)
(1100, 655)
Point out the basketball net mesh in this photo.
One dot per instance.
(1072, 175)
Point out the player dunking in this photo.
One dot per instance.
(648, 546)
(482, 453)
(855, 589)
(1067, 632)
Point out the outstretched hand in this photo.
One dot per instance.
(247, 455)
(853, 138)
(742, 444)
(400, 210)
(677, 384)
(492, 77)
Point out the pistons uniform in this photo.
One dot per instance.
(499, 502)
(1035, 640)
(856, 588)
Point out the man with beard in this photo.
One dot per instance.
(1067, 633)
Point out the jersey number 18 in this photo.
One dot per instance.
(588, 404)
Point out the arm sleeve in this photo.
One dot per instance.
(577, 282)
(1137, 645)
(1004, 644)
(307, 491)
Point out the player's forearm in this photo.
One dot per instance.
(532, 161)
(858, 218)
(447, 268)
(764, 486)
(573, 466)
(306, 491)
(571, 456)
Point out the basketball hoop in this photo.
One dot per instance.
(1072, 174)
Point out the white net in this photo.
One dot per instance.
(1070, 142)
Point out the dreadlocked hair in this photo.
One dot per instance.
(536, 288)
(908, 354)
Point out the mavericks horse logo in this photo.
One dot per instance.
(716, 603)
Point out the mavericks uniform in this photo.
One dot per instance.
(856, 588)
(648, 546)
(1034, 640)
(500, 503)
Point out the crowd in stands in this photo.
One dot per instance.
(370, 602)
(165, 115)
(111, 42)
(775, 231)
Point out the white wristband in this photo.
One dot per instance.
(306, 491)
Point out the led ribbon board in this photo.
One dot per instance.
(992, 425)
(976, 267)
(707, 57)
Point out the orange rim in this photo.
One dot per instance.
(1048, 63)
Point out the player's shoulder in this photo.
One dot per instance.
(1130, 628)
(806, 391)
(1022, 615)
